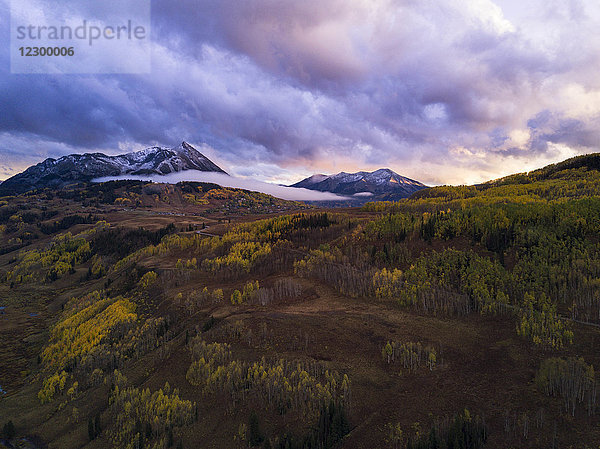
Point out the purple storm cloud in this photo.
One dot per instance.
(444, 91)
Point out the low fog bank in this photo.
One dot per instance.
(286, 193)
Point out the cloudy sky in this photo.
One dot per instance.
(442, 91)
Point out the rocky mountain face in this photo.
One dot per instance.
(380, 184)
(85, 167)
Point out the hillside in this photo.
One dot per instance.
(571, 168)
(577, 177)
(145, 315)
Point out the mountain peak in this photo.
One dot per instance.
(186, 146)
(382, 183)
(316, 178)
(85, 167)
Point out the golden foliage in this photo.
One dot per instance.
(280, 384)
(140, 415)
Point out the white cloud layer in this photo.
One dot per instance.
(286, 193)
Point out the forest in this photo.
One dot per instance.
(139, 315)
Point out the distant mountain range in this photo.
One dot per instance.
(380, 184)
(85, 167)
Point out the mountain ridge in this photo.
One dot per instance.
(75, 168)
(586, 162)
(382, 183)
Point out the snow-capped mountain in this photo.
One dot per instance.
(382, 182)
(85, 167)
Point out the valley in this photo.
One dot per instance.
(153, 315)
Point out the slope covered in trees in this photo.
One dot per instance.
(461, 317)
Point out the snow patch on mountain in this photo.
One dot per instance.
(85, 167)
(380, 182)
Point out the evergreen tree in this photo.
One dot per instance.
(97, 427)
(255, 435)
(9, 430)
(91, 433)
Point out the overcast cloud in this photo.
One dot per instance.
(442, 91)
